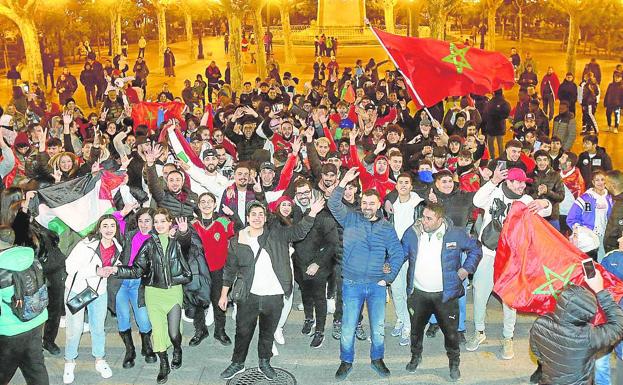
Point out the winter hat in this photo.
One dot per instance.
(21, 140)
(274, 206)
(425, 121)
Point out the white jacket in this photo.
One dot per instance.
(83, 262)
(484, 199)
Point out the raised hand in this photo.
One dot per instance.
(104, 113)
(316, 206)
(128, 208)
(95, 168)
(57, 174)
(380, 146)
(125, 162)
(182, 224)
(257, 186)
(296, 145)
(67, 118)
(499, 175)
(349, 176)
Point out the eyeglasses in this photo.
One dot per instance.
(301, 193)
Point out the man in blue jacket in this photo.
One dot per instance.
(370, 242)
(435, 280)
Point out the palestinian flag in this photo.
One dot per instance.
(180, 147)
(152, 114)
(76, 204)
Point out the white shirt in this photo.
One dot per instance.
(601, 214)
(428, 275)
(404, 213)
(265, 280)
(242, 202)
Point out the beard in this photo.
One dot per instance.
(211, 168)
(368, 214)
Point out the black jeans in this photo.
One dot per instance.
(339, 311)
(548, 106)
(266, 308)
(313, 294)
(212, 87)
(421, 305)
(56, 305)
(45, 78)
(23, 351)
(215, 294)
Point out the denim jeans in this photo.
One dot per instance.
(399, 297)
(127, 297)
(354, 295)
(602, 370)
(96, 312)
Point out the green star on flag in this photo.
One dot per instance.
(548, 287)
(457, 58)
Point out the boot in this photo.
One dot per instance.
(163, 375)
(221, 336)
(130, 353)
(146, 349)
(176, 362)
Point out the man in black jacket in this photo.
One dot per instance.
(568, 91)
(565, 343)
(313, 261)
(260, 251)
(547, 184)
(592, 158)
(494, 119)
(614, 228)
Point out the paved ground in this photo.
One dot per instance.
(202, 364)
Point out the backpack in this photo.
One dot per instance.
(31, 293)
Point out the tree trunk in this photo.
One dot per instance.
(235, 52)
(162, 32)
(520, 29)
(491, 12)
(288, 47)
(30, 37)
(574, 32)
(115, 27)
(414, 21)
(438, 17)
(188, 22)
(259, 40)
(388, 11)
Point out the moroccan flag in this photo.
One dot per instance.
(438, 69)
(76, 204)
(534, 262)
(152, 114)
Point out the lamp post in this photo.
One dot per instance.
(200, 45)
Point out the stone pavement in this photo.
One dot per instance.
(203, 364)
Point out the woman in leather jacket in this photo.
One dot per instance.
(163, 270)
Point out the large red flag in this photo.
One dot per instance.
(534, 262)
(152, 114)
(438, 69)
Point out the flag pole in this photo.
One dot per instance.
(406, 78)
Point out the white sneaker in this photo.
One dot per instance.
(300, 307)
(62, 323)
(86, 328)
(330, 305)
(279, 336)
(68, 373)
(234, 312)
(102, 367)
(275, 351)
(210, 316)
(185, 318)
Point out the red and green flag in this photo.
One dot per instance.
(534, 263)
(438, 69)
(152, 114)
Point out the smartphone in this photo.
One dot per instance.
(278, 107)
(26, 88)
(502, 164)
(588, 265)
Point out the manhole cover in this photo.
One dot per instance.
(253, 376)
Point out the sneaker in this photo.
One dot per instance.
(300, 307)
(86, 328)
(266, 369)
(210, 316)
(343, 371)
(101, 366)
(337, 330)
(308, 326)
(615, 130)
(360, 333)
(279, 336)
(68, 372)
(397, 329)
(185, 318)
(507, 349)
(462, 339)
(317, 340)
(330, 305)
(432, 330)
(379, 367)
(233, 369)
(405, 337)
(607, 129)
(472, 344)
(455, 373)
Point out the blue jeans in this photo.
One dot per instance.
(354, 294)
(555, 223)
(128, 296)
(96, 313)
(602, 370)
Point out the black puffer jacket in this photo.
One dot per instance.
(565, 343)
(458, 204)
(168, 200)
(158, 268)
(276, 241)
(318, 246)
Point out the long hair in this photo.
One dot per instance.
(8, 200)
(95, 233)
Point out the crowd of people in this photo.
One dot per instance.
(338, 188)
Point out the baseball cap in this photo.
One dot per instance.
(518, 174)
(209, 152)
(530, 116)
(267, 165)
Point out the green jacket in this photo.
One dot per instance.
(16, 259)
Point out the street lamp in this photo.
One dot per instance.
(200, 46)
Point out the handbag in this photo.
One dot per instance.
(239, 292)
(86, 296)
(491, 233)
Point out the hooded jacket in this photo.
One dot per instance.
(379, 182)
(15, 259)
(565, 343)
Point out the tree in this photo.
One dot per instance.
(388, 12)
(575, 9)
(285, 7)
(114, 10)
(161, 17)
(491, 7)
(438, 11)
(414, 9)
(22, 13)
(256, 10)
(187, 11)
(234, 9)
